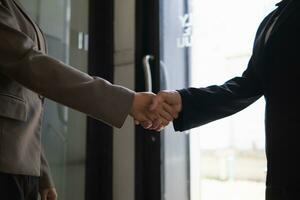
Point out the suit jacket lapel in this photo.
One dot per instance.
(40, 36)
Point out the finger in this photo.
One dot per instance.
(165, 111)
(155, 103)
(167, 116)
(164, 122)
(160, 128)
(161, 122)
(170, 110)
(156, 124)
(152, 116)
(145, 118)
(146, 125)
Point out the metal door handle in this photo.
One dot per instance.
(147, 72)
(164, 76)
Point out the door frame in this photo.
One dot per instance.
(99, 152)
(149, 182)
(147, 143)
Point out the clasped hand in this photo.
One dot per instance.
(154, 112)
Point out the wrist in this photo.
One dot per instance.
(179, 100)
(132, 110)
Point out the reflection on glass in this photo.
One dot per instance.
(54, 19)
(174, 36)
(232, 150)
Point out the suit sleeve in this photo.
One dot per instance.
(204, 105)
(22, 62)
(46, 180)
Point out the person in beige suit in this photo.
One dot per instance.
(27, 75)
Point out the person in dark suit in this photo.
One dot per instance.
(273, 72)
(27, 75)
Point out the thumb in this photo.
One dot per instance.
(155, 103)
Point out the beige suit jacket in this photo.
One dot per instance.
(26, 73)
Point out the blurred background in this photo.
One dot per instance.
(232, 158)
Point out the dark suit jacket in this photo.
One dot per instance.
(26, 73)
(273, 72)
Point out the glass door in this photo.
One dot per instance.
(199, 43)
(205, 43)
(163, 164)
(231, 150)
(65, 24)
(175, 30)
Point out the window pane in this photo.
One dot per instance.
(232, 151)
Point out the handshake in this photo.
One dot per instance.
(154, 112)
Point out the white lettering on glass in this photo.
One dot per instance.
(185, 40)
